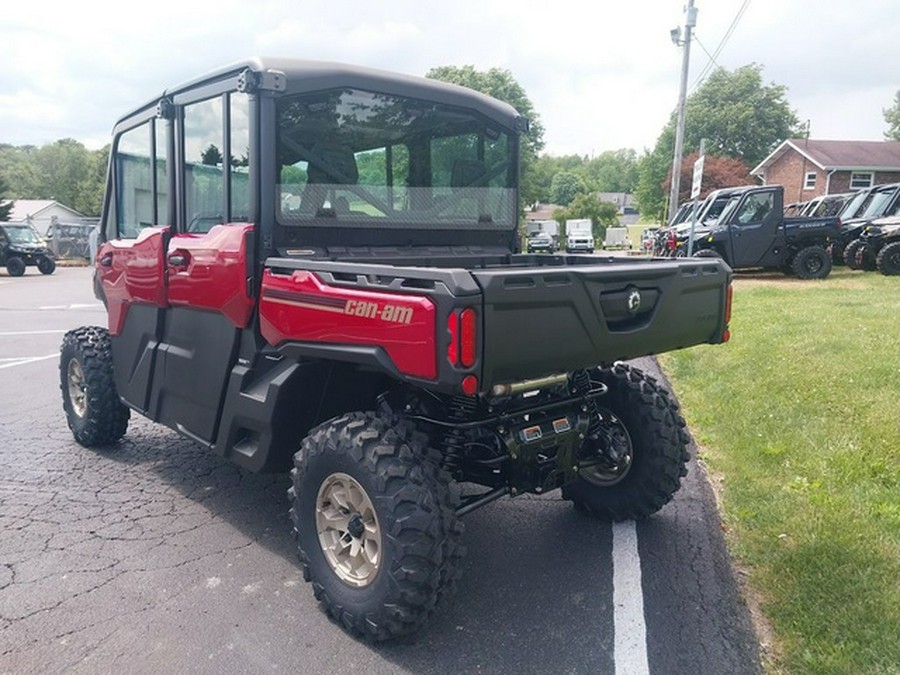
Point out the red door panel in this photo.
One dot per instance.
(131, 271)
(209, 271)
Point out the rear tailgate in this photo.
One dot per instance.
(546, 320)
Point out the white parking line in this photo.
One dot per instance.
(31, 332)
(27, 359)
(77, 305)
(630, 646)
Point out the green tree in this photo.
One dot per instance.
(65, 171)
(612, 171)
(212, 156)
(735, 112)
(62, 166)
(500, 83)
(6, 202)
(892, 117)
(601, 214)
(565, 186)
(18, 167)
(650, 191)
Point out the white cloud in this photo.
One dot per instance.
(602, 76)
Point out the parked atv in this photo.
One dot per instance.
(877, 202)
(376, 331)
(752, 232)
(21, 246)
(879, 247)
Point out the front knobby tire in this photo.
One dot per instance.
(46, 265)
(865, 258)
(375, 521)
(93, 410)
(649, 424)
(851, 254)
(888, 260)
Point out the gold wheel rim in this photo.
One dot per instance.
(77, 387)
(348, 530)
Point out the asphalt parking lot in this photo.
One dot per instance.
(157, 556)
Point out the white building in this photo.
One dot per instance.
(41, 213)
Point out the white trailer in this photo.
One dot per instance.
(616, 237)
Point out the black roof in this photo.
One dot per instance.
(306, 76)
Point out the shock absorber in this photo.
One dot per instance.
(581, 381)
(460, 409)
(604, 434)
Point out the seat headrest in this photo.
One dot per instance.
(332, 164)
(466, 173)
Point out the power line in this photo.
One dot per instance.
(705, 50)
(712, 58)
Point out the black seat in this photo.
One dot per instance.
(328, 165)
(467, 173)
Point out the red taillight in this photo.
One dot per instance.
(470, 385)
(467, 337)
(453, 347)
(728, 294)
(462, 350)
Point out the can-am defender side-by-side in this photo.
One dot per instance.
(315, 266)
(20, 247)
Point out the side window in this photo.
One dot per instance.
(239, 136)
(162, 172)
(207, 141)
(203, 185)
(134, 182)
(756, 208)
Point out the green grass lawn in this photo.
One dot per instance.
(799, 418)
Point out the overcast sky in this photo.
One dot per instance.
(602, 75)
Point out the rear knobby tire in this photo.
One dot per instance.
(659, 449)
(400, 521)
(888, 260)
(94, 412)
(15, 266)
(812, 262)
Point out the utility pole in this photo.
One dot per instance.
(689, 23)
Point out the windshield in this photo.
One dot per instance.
(352, 158)
(728, 208)
(879, 203)
(854, 206)
(713, 208)
(22, 235)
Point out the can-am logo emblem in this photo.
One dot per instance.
(634, 300)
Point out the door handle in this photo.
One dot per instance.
(106, 260)
(179, 259)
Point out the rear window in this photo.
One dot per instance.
(358, 158)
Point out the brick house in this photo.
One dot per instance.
(808, 168)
